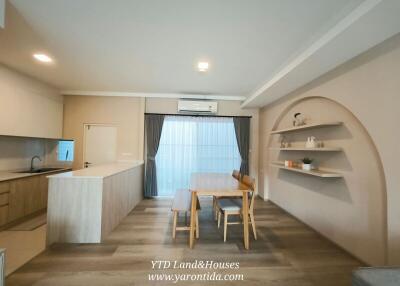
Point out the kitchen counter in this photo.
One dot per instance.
(12, 175)
(84, 206)
(101, 171)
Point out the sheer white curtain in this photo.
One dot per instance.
(194, 144)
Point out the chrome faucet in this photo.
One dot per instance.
(33, 158)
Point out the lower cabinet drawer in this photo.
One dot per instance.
(4, 187)
(3, 199)
(3, 215)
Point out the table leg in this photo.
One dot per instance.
(246, 220)
(193, 211)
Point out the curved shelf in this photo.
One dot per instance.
(323, 149)
(307, 126)
(315, 173)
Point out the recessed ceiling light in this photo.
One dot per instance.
(43, 58)
(202, 66)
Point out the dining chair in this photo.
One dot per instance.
(236, 175)
(233, 206)
(182, 203)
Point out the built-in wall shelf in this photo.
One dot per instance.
(316, 173)
(322, 149)
(307, 126)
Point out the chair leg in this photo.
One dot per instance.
(197, 225)
(225, 225)
(214, 208)
(219, 219)
(174, 224)
(253, 225)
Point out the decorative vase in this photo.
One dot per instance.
(311, 143)
(307, 167)
(299, 119)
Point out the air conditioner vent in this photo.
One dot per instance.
(197, 106)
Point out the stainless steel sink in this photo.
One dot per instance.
(41, 170)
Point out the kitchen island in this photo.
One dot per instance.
(84, 206)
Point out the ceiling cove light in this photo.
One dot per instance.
(43, 58)
(202, 66)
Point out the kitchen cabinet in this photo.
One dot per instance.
(3, 215)
(16, 200)
(44, 189)
(4, 198)
(22, 197)
(4, 187)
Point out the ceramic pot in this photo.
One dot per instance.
(307, 167)
(311, 143)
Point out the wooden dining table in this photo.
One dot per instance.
(219, 185)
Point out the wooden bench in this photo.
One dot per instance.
(182, 203)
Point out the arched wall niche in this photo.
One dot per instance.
(351, 211)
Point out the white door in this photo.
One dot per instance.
(100, 144)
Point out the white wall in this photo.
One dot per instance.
(225, 108)
(29, 107)
(369, 87)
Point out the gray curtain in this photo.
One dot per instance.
(242, 131)
(154, 124)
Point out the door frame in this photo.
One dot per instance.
(84, 137)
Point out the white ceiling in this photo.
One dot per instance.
(151, 46)
(371, 23)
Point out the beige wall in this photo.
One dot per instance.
(359, 199)
(28, 107)
(369, 87)
(127, 113)
(225, 108)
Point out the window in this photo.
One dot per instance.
(65, 150)
(194, 144)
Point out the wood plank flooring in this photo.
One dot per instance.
(287, 253)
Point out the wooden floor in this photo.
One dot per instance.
(286, 253)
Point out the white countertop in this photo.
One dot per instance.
(12, 175)
(100, 171)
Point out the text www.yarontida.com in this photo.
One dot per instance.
(209, 267)
(209, 276)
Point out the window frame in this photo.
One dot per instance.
(58, 150)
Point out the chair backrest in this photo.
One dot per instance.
(236, 174)
(250, 182)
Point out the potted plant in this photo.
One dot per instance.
(307, 164)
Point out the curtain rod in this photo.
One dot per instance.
(196, 115)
